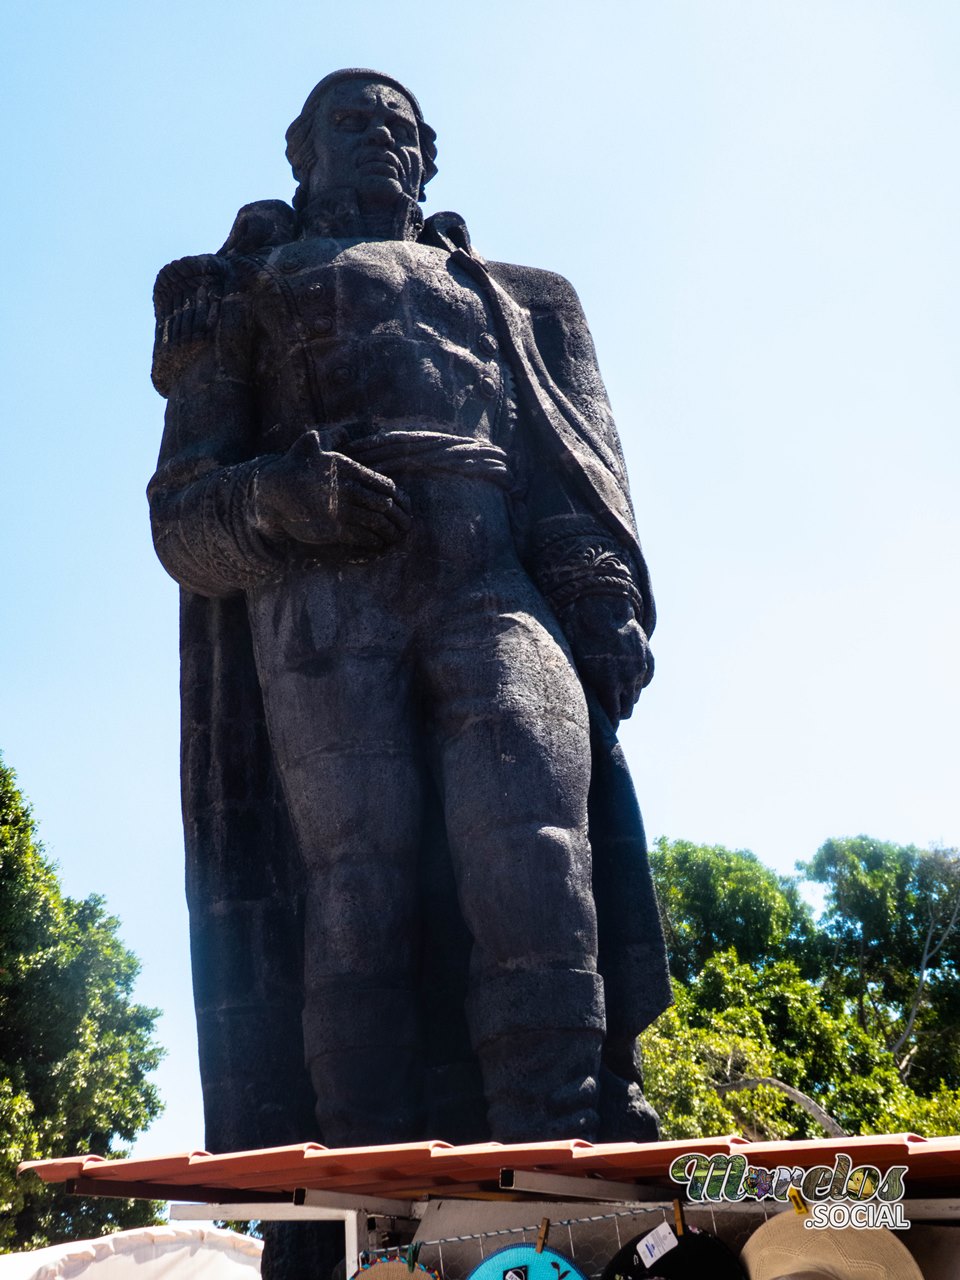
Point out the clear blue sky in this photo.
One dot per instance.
(759, 205)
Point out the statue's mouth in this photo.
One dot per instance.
(382, 162)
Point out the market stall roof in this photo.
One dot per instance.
(420, 1169)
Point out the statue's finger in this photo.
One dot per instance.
(648, 669)
(629, 699)
(374, 522)
(396, 509)
(607, 696)
(306, 445)
(363, 476)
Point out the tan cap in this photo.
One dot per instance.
(784, 1248)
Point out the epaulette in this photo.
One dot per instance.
(261, 225)
(186, 302)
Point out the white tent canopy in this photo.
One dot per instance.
(149, 1253)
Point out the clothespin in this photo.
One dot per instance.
(411, 1254)
(797, 1200)
(678, 1217)
(542, 1234)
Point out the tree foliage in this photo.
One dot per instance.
(790, 1026)
(714, 899)
(75, 1051)
(893, 919)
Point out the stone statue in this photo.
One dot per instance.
(414, 611)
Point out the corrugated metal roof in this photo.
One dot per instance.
(436, 1168)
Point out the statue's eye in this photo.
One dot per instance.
(349, 120)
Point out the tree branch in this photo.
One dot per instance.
(882, 1022)
(948, 927)
(803, 1100)
(915, 1003)
(905, 1064)
(930, 950)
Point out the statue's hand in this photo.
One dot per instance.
(325, 499)
(610, 649)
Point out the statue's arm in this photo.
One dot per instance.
(203, 494)
(593, 576)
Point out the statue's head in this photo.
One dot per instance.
(364, 130)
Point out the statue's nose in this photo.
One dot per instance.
(379, 134)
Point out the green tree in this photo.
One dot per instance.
(75, 1051)
(762, 1044)
(892, 919)
(757, 1052)
(688, 1061)
(713, 899)
(788, 1027)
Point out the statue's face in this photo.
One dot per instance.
(365, 137)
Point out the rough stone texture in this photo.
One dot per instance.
(414, 610)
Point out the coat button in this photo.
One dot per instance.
(341, 374)
(487, 387)
(487, 343)
(323, 324)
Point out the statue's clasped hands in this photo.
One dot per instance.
(325, 499)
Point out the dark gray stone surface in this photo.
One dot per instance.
(414, 610)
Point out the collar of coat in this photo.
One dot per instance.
(336, 214)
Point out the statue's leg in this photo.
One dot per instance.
(514, 757)
(341, 727)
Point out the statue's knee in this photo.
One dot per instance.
(529, 853)
(528, 898)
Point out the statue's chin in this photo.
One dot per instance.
(378, 190)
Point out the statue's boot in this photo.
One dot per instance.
(538, 1035)
(301, 1250)
(625, 1114)
(362, 1045)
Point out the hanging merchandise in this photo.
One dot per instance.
(784, 1246)
(662, 1254)
(526, 1262)
(398, 1266)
